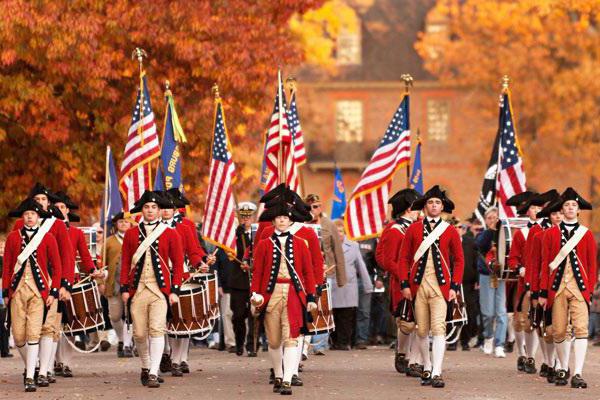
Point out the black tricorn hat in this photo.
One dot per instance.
(434, 193)
(546, 199)
(117, 217)
(179, 197)
(402, 200)
(537, 199)
(282, 208)
(55, 212)
(568, 194)
(282, 193)
(520, 198)
(38, 188)
(29, 204)
(150, 197)
(169, 199)
(62, 197)
(73, 217)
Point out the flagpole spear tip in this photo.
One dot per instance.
(215, 90)
(505, 82)
(408, 81)
(168, 88)
(291, 82)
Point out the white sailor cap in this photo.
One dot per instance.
(246, 208)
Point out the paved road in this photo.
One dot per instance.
(366, 374)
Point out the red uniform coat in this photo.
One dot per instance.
(451, 251)
(80, 246)
(67, 259)
(169, 248)
(264, 278)
(46, 252)
(314, 247)
(191, 247)
(586, 257)
(517, 257)
(388, 256)
(534, 263)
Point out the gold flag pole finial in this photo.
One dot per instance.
(408, 82)
(215, 90)
(139, 54)
(291, 83)
(168, 92)
(505, 82)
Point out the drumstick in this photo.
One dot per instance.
(89, 276)
(329, 269)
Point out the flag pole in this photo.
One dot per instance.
(281, 166)
(106, 175)
(162, 142)
(408, 82)
(140, 53)
(292, 84)
(505, 82)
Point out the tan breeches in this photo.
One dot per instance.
(521, 320)
(149, 312)
(567, 304)
(51, 327)
(27, 314)
(430, 312)
(405, 327)
(277, 326)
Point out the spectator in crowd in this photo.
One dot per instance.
(492, 292)
(4, 333)
(363, 314)
(345, 299)
(470, 287)
(223, 267)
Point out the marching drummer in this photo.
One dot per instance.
(52, 323)
(282, 284)
(148, 280)
(430, 271)
(387, 256)
(29, 285)
(65, 205)
(116, 308)
(196, 257)
(569, 275)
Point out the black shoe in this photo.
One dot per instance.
(577, 382)
(561, 378)
(286, 388)
(300, 367)
(184, 367)
(296, 381)
(58, 369)
(176, 370)
(415, 371)
(30, 385)
(120, 352)
(165, 363)
(153, 381)
(104, 345)
(521, 363)
(80, 345)
(361, 346)
(251, 353)
(451, 347)
(426, 378)
(568, 373)
(42, 381)
(400, 363)
(36, 372)
(437, 382)
(271, 376)
(551, 375)
(465, 347)
(6, 355)
(509, 347)
(239, 351)
(277, 382)
(127, 352)
(305, 357)
(144, 376)
(544, 370)
(530, 366)
(51, 378)
(67, 373)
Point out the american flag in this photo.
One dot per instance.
(278, 135)
(511, 176)
(296, 129)
(366, 210)
(142, 147)
(219, 211)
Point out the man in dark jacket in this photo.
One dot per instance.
(239, 280)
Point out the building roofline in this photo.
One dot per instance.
(421, 84)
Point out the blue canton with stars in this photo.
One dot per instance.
(398, 124)
(292, 116)
(510, 153)
(147, 105)
(220, 151)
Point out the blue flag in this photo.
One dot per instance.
(168, 174)
(113, 204)
(416, 177)
(338, 203)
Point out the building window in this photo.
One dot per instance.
(438, 120)
(348, 50)
(349, 121)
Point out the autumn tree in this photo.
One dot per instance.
(67, 83)
(551, 51)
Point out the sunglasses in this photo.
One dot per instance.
(315, 206)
